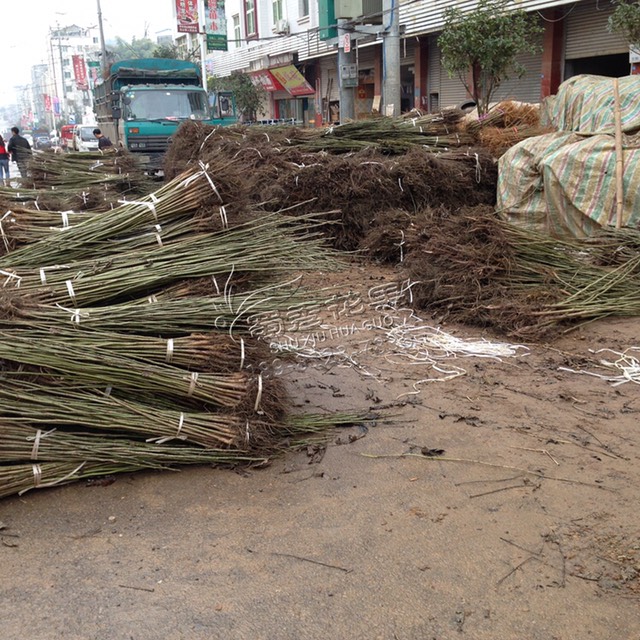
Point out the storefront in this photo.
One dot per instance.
(298, 106)
(291, 96)
(590, 46)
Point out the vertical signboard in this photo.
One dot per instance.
(47, 103)
(187, 16)
(215, 25)
(80, 72)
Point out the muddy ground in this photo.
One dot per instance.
(495, 499)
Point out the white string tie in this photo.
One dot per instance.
(192, 384)
(72, 293)
(11, 275)
(223, 217)
(37, 478)
(256, 406)
(208, 177)
(36, 441)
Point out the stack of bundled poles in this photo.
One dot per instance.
(92, 181)
(126, 336)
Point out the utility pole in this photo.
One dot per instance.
(103, 47)
(203, 42)
(55, 79)
(347, 71)
(63, 106)
(391, 58)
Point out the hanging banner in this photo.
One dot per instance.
(47, 103)
(215, 25)
(292, 80)
(80, 72)
(265, 80)
(187, 16)
(56, 105)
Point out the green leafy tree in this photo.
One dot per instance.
(625, 20)
(480, 46)
(249, 98)
(174, 52)
(137, 48)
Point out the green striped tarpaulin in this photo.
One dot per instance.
(564, 184)
(585, 103)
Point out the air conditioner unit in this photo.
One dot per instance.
(282, 26)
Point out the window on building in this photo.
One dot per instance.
(251, 22)
(67, 74)
(95, 40)
(237, 32)
(303, 8)
(277, 10)
(66, 62)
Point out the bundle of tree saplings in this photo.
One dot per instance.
(472, 267)
(123, 348)
(436, 131)
(33, 457)
(80, 181)
(113, 169)
(89, 199)
(134, 220)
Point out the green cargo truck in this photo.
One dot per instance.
(142, 103)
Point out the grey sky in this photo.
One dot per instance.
(25, 40)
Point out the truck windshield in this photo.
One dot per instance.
(167, 105)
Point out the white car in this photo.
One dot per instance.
(83, 138)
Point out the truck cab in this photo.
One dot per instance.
(143, 102)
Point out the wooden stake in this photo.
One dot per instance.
(619, 155)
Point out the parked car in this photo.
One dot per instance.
(42, 142)
(83, 138)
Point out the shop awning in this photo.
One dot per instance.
(265, 80)
(292, 80)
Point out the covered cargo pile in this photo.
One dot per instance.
(586, 175)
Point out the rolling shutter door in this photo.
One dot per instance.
(367, 57)
(587, 35)
(452, 91)
(433, 70)
(527, 88)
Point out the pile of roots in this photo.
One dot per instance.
(272, 167)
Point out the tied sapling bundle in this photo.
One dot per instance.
(259, 248)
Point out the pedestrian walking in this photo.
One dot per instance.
(4, 163)
(103, 141)
(20, 151)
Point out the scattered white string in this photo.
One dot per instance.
(627, 365)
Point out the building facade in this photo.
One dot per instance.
(265, 36)
(73, 62)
